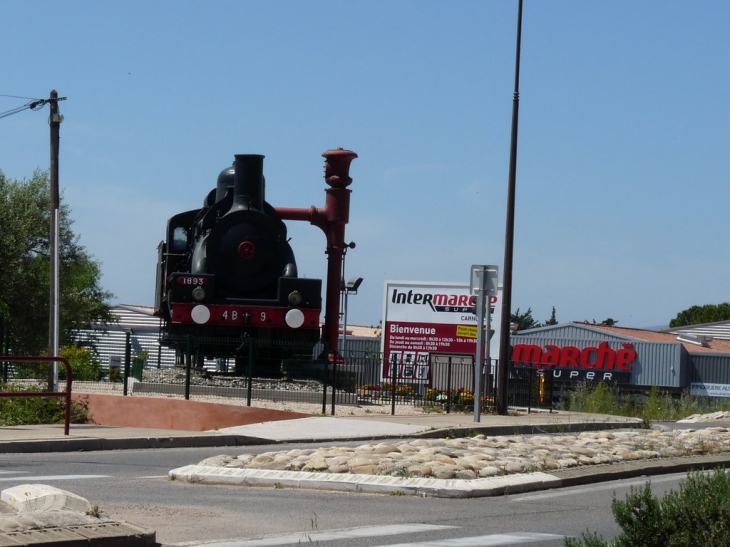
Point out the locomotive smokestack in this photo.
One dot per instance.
(248, 181)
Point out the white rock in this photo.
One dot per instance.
(41, 497)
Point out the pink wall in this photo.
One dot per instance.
(166, 413)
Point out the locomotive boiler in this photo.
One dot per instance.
(226, 271)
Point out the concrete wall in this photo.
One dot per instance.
(179, 414)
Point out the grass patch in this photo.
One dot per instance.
(653, 405)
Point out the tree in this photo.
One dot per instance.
(553, 320)
(608, 322)
(697, 315)
(25, 269)
(525, 320)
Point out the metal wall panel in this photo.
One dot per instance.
(111, 346)
(656, 364)
(710, 368)
(360, 345)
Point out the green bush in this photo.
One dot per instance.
(37, 410)
(84, 364)
(697, 514)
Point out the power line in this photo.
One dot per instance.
(17, 97)
(35, 104)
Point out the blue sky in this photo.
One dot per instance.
(623, 163)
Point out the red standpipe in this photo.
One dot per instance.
(331, 219)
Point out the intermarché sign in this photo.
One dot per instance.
(593, 363)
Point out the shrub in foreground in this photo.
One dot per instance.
(37, 410)
(697, 514)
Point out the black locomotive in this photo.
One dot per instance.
(226, 271)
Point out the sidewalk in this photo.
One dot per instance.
(89, 437)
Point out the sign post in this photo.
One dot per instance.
(484, 282)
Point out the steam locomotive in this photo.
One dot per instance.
(226, 271)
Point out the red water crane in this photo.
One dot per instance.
(331, 219)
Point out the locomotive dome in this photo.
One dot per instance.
(225, 181)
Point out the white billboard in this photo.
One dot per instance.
(421, 318)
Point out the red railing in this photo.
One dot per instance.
(67, 393)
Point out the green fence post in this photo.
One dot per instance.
(188, 364)
(393, 380)
(324, 378)
(127, 359)
(250, 369)
(334, 382)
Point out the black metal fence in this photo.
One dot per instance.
(253, 370)
(533, 387)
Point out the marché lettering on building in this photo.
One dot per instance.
(601, 357)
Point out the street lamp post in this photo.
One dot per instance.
(504, 338)
(347, 288)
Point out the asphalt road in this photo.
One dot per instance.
(133, 486)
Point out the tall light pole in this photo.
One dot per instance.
(54, 121)
(504, 331)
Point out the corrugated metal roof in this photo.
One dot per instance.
(569, 331)
(137, 318)
(719, 330)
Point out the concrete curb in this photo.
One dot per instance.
(131, 443)
(440, 488)
(381, 484)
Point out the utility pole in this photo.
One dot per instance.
(54, 121)
(504, 333)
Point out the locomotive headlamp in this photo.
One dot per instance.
(294, 318)
(295, 298)
(198, 294)
(200, 314)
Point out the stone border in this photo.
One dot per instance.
(441, 488)
(381, 484)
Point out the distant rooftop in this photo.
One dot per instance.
(692, 344)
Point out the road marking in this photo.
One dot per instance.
(54, 477)
(314, 536)
(483, 541)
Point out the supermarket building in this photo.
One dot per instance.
(694, 358)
